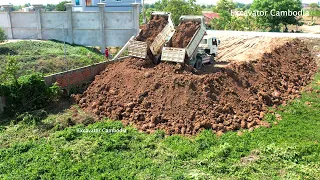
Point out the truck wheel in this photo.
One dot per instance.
(198, 64)
(212, 60)
(157, 60)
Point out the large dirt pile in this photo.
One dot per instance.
(149, 32)
(184, 33)
(173, 98)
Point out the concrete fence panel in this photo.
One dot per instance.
(97, 28)
(87, 37)
(119, 20)
(24, 25)
(120, 36)
(85, 20)
(4, 23)
(53, 19)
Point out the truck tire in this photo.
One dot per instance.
(212, 60)
(198, 64)
(157, 59)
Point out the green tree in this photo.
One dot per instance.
(224, 6)
(178, 8)
(3, 36)
(27, 5)
(11, 70)
(16, 8)
(210, 6)
(61, 7)
(314, 8)
(50, 7)
(239, 5)
(147, 14)
(274, 22)
(228, 22)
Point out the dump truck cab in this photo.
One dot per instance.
(209, 44)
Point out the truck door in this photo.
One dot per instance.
(214, 47)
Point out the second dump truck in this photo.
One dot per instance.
(201, 48)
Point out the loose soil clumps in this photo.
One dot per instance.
(179, 100)
(184, 33)
(150, 31)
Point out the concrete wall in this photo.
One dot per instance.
(98, 28)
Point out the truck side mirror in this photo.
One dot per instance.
(218, 41)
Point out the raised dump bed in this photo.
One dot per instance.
(152, 37)
(183, 45)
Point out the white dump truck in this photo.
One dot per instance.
(140, 49)
(200, 50)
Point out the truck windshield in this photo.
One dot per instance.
(203, 41)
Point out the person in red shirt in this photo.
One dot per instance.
(107, 53)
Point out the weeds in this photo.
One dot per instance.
(288, 150)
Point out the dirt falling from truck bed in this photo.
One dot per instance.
(184, 33)
(173, 98)
(150, 31)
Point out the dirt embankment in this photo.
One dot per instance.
(150, 31)
(173, 98)
(184, 33)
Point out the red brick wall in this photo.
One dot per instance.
(76, 76)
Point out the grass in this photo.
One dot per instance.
(51, 148)
(47, 57)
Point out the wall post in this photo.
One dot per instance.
(37, 8)
(7, 8)
(102, 27)
(69, 23)
(135, 17)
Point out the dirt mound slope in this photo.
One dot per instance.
(150, 31)
(184, 33)
(246, 48)
(175, 99)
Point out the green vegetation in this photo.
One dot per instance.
(176, 7)
(61, 7)
(272, 21)
(251, 22)
(227, 21)
(24, 93)
(43, 145)
(49, 7)
(3, 36)
(47, 57)
(315, 11)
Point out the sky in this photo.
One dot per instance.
(22, 2)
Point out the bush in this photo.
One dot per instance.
(3, 36)
(28, 92)
(61, 7)
(25, 93)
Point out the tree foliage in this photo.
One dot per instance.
(224, 6)
(16, 8)
(315, 11)
(24, 93)
(3, 36)
(274, 21)
(228, 22)
(11, 69)
(61, 7)
(50, 7)
(178, 8)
